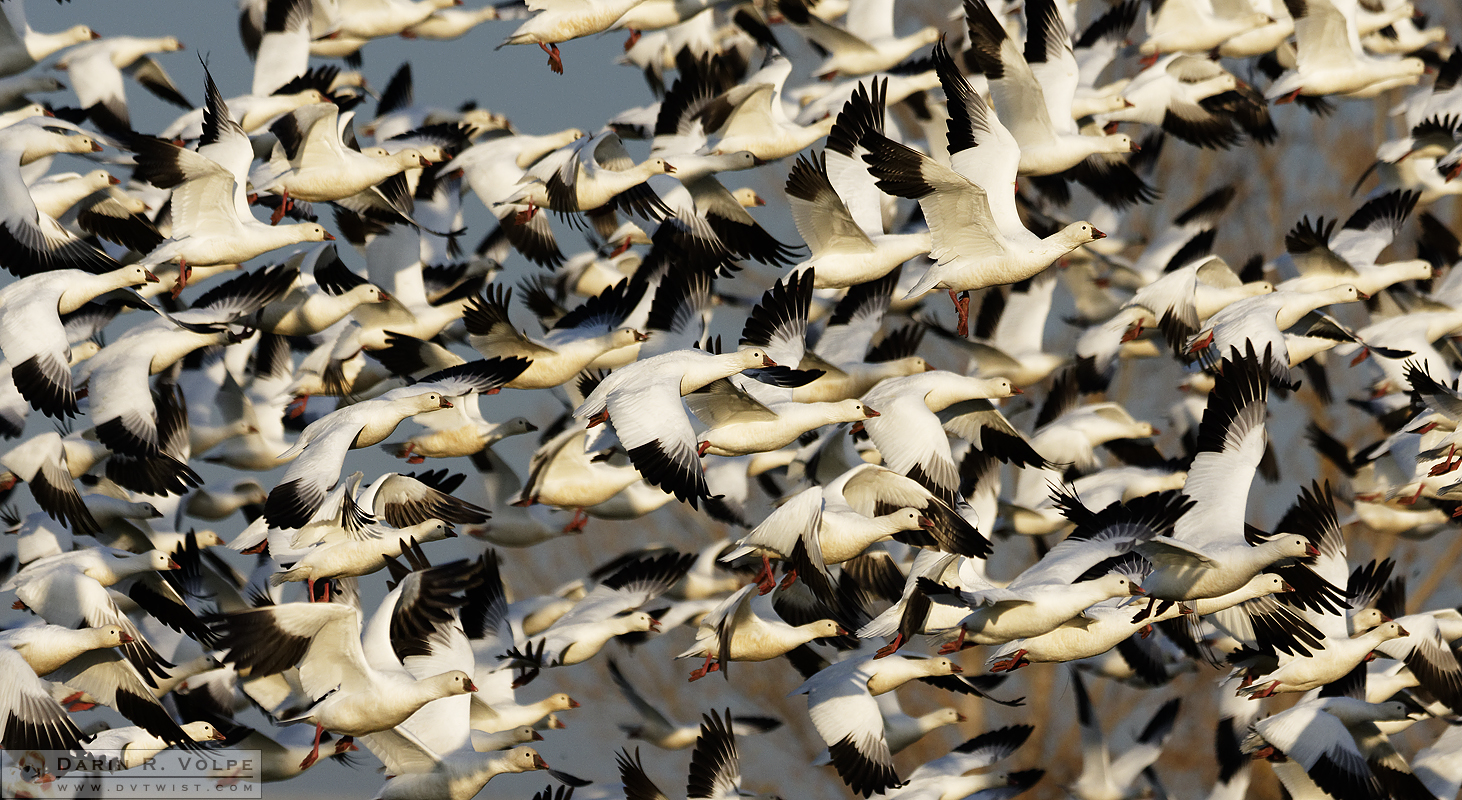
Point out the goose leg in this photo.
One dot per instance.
(789, 578)
(315, 753)
(890, 648)
(1009, 664)
(184, 273)
(283, 207)
(1446, 466)
(578, 522)
(634, 38)
(962, 306)
(956, 645)
(296, 407)
(555, 61)
(765, 579)
(706, 668)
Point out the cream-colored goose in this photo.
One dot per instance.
(1034, 99)
(840, 700)
(319, 298)
(751, 117)
(55, 194)
(211, 221)
(352, 697)
(562, 20)
(740, 424)
(575, 341)
(137, 746)
(591, 173)
(865, 43)
(842, 221)
(47, 648)
(1329, 58)
(386, 18)
(310, 162)
(21, 46)
(746, 627)
(562, 474)
(96, 73)
(642, 403)
(33, 337)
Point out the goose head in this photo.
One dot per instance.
(935, 667)
(451, 684)
(624, 337)
(1080, 233)
(850, 411)
(559, 702)
(657, 166)
(432, 530)
(107, 636)
(97, 179)
(76, 34)
(1291, 547)
(522, 759)
(308, 232)
(639, 622)
(927, 35)
(77, 143)
(169, 44)
(1117, 585)
(517, 426)
(1387, 631)
(895, 672)
(1366, 619)
(208, 538)
(309, 96)
(1345, 293)
(1414, 269)
(901, 367)
(409, 158)
(131, 275)
(748, 198)
(823, 629)
(152, 560)
(1254, 289)
(751, 358)
(1266, 583)
(367, 293)
(82, 351)
(1116, 143)
(1150, 484)
(201, 731)
(906, 519)
(422, 402)
(739, 160)
(942, 717)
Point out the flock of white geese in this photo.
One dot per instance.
(270, 282)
